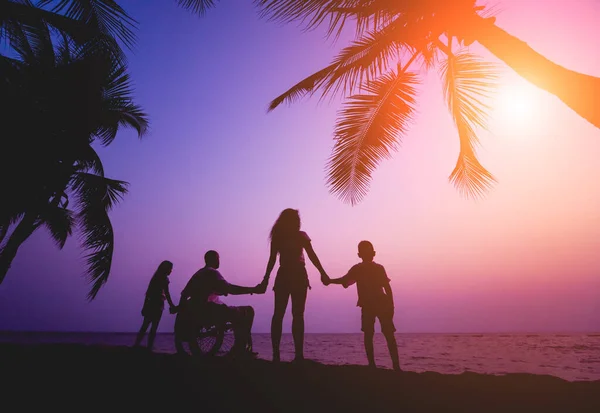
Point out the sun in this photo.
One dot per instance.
(517, 103)
(518, 108)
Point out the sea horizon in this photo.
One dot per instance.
(570, 356)
(573, 332)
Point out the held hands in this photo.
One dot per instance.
(262, 287)
(325, 278)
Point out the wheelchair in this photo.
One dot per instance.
(204, 336)
(215, 340)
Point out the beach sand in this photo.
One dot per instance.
(73, 377)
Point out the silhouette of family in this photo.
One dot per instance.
(200, 300)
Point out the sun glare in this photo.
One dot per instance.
(518, 108)
(516, 103)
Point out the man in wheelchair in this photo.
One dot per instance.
(200, 306)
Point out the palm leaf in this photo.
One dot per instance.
(367, 130)
(64, 50)
(106, 16)
(118, 108)
(59, 222)
(358, 63)
(468, 83)
(3, 232)
(29, 38)
(302, 88)
(363, 60)
(24, 14)
(96, 195)
(7, 222)
(199, 7)
(334, 13)
(88, 160)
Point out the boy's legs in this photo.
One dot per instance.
(368, 328)
(388, 329)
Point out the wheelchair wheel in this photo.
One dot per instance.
(215, 340)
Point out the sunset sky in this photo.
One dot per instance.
(216, 170)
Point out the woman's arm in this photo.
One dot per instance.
(270, 265)
(315, 260)
(168, 295)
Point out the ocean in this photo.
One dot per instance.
(573, 357)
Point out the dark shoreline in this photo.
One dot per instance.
(87, 377)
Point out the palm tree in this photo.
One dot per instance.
(376, 72)
(58, 100)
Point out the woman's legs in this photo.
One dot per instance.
(298, 306)
(142, 332)
(281, 302)
(153, 329)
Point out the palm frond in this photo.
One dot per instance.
(59, 221)
(310, 13)
(89, 160)
(302, 88)
(199, 7)
(3, 232)
(30, 38)
(64, 49)
(118, 109)
(6, 221)
(102, 46)
(96, 195)
(367, 58)
(106, 16)
(428, 55)
(367, 130)
(356, 64)
(335, 14)
(363, 60)
(25, 14)
(468, 83)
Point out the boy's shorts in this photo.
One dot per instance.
(386, 320)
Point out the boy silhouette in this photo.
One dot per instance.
(375, 299)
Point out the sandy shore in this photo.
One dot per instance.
(82, 378)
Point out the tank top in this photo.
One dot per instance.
(291, 249)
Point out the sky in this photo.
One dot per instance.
(216, 170)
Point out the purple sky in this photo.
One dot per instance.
(216, 170)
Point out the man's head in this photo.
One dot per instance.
(366, 251)
(211, 258)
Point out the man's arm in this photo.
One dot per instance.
(239, 290)
(224, 288)
(388, 291)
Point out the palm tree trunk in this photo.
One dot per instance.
(579, 91)
(3, 231)
(23, 230)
